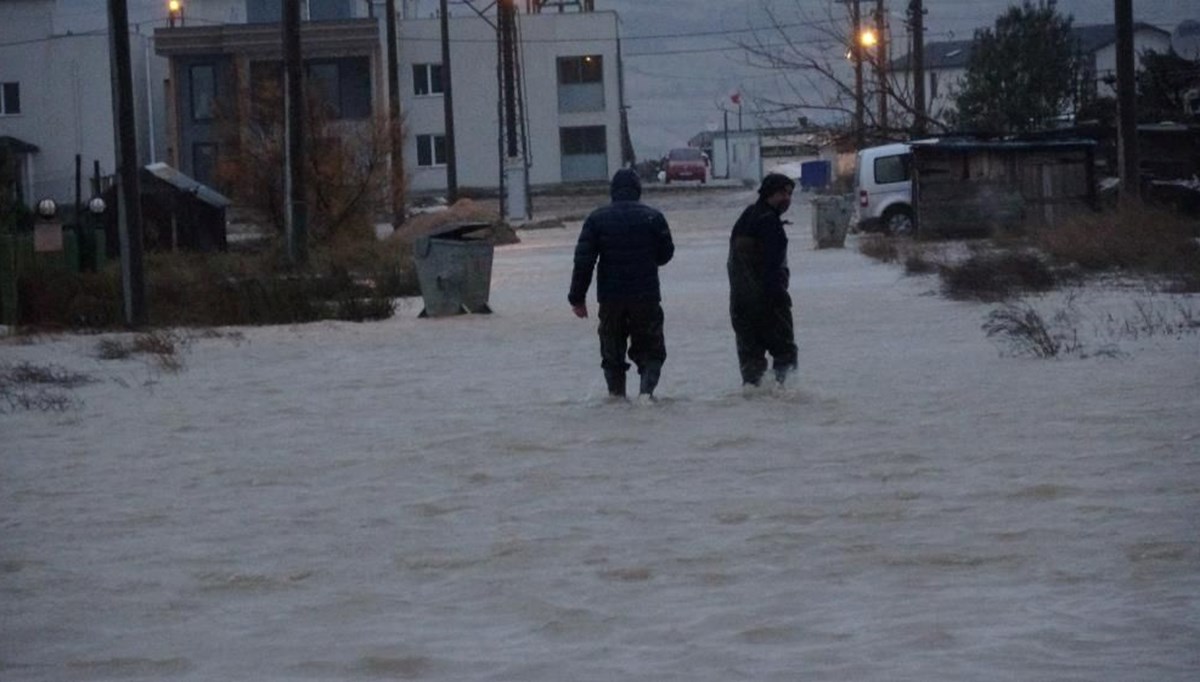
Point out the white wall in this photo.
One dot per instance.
(59, 53)
(1106, 57)
(545, 37)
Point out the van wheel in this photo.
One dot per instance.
(898, 221)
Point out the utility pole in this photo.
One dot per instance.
(507, 24)
(1127, 149)
(448, 109)
(916, 15)
(856, 53)
(881, 66)
(395, 131)
(296, 213)
(129, 201)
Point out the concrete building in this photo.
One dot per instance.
(55, 85)
(56, 99)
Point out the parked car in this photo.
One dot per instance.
(883, 184)
(686, 163)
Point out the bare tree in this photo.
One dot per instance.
(812, 48)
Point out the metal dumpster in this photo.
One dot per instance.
(830, 219)
(454, 270)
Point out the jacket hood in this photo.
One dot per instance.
(626, 186)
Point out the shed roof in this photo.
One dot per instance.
(180, 181)
(971, 144)
(16, 145)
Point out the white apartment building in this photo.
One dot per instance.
(56, 102)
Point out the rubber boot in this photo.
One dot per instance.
(616, 383)
(649, 381)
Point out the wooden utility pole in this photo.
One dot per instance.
(395, 128)
(881, 65)
(296, 214)
(916, 16)
(1127, 150)
(856, 53)
(129, 201)
(448, 109)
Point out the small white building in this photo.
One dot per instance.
(737, 155)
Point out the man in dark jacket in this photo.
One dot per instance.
(631, 240)
(759, 304)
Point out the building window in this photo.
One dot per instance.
(431, 150)
(585, 69)
(10, 99)
(324, 10)
(264, 11)
(584, 153)
(343, 85)
(203, 78)
(427, 79)
(580, 84)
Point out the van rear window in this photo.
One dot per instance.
(892, 168)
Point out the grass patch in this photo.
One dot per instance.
(1138, 239)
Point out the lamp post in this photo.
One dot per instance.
(174, 13)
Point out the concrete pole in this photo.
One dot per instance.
(294, 172)
(129, 201)
(448, 109)
(916, 14)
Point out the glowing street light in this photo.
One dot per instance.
(868, 38)
(174, 12)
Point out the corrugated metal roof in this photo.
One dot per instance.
(966, 144)
(176, 179)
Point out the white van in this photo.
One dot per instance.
(883, 183)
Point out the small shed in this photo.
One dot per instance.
(737, 155)
(970, 186)
(178, 212)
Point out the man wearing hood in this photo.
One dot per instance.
(631, 241)
(759, 303)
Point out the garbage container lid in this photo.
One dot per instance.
(458, 230)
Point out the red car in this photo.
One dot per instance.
(686, 163)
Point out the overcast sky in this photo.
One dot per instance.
(675, 86)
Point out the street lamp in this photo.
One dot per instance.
(174, 12)
(47, 209)
(868, 38)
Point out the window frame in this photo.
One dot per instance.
(431, 146)
(7, 108)
(431, 76)
(211, 106)
(580, 69)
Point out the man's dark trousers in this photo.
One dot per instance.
(761, 330)
(640, 324)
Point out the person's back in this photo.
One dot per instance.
(631, 241)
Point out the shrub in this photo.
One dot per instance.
(1140, 238)
(879, 247)
(994, 276)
